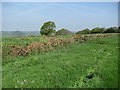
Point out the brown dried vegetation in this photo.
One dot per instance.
(52, 44)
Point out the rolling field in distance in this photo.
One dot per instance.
(89, 64)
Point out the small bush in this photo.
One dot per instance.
(63, 32)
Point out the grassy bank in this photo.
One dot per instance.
(89, 64)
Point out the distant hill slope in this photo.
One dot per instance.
(19, 33)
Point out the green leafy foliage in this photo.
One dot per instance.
(63, 32)
(111, 30)
(84, 31)
(97, 30)
(100, 30)
(48, 28)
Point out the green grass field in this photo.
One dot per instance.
(92, 64)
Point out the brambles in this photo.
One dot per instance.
(19, 50)
(41, 46)
(53, 43)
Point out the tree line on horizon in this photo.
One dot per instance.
(49, 29)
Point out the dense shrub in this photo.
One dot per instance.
(84, 31)
(97, 30)
(63, 32)
(110, 30)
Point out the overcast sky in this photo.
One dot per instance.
(75, 16)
